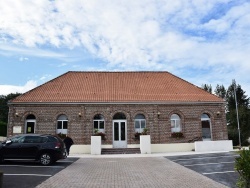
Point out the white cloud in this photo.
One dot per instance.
(45, 78)
(23, 59)
(123, 33)
(8, 50)
(7, 89)
(153, 35)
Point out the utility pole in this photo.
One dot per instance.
(236, 104)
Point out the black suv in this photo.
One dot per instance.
(44, 148)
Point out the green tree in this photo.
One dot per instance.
(3, 128)
(4, 109)
(220, 91)
(243, 112)
(207, 87)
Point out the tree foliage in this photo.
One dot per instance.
(207, 87)
(242, 165)
(231, 112)
(4, 109)
(3, 128)
(220, 91)
(242, 102)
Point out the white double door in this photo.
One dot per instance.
(119, 133)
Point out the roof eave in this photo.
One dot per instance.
(113, 102)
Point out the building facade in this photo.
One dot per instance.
(120, 105)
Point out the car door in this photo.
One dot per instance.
(11, 148)
(30, 147)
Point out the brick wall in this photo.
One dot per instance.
(80, 128)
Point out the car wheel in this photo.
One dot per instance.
(46, 159)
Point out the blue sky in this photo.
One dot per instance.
(203, 42)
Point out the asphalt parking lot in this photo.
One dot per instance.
(30, 174)
(216, 166)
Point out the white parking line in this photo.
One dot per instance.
(27, 175)
(218, 172)
(32, 166)
(204, 158)
(209, 164)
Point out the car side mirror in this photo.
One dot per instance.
(8, 142)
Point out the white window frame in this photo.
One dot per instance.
(139, 121)
(99, 124)
(175, 123)
(64, 122)
(206, 117)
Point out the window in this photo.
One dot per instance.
(175, 123)
(140, 123)
(99, 123)
(62, 124)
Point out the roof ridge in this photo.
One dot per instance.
(118, 72)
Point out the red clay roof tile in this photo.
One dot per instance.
(117, 87)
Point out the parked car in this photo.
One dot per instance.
(44, 148)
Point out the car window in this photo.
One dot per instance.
(17, 139)
(43, 139)
(52, 139)
(33, 139)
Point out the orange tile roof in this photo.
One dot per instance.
(117, 87)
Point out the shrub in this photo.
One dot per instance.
(242, 165)
(145, 131)
(97, 133)
(62, 136)
(177, 135)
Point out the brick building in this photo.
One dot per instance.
(120, 104)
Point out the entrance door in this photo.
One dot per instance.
(206, 127)
(30, 126)
(119, 134)
(206, 133)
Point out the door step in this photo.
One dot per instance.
(110, 151)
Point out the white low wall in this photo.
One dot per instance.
(199, 146)
(80, 149)
(178, 147)
(155, 148)
(220, 145)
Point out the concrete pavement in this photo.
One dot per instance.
(131, 171)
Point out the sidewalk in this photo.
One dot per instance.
(143, 155)
(131, 171)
